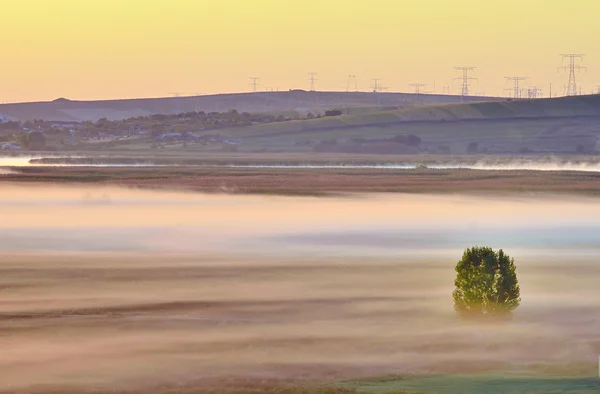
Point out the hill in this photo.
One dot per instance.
(564, 107)
(559, 125)
(567, 125)
(296, 100)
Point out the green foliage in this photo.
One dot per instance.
(32, 141)
(486, 283)
(36, 141)
(22, 140)
(333, 112)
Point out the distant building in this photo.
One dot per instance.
(10, 147)
(65, 125)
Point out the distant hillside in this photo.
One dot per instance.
(514, 109)
(559, 125)
(297, 100)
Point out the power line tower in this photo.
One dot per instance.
(574, 69)
(254, 83)
(418, 87)
(534, 92)
(351, 82)
(465, 80)
(516, 82)
(375, 85)
(312, 77)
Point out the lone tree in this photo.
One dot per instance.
(486, 284)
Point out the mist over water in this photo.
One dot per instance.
(492, 164)
(130, 289)
(507, 165)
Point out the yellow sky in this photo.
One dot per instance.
(100, 49)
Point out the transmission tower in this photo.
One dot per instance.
(418, 87)
(465, 80)
(351, 82)
(534, 92)
(312, 77)
(254, 83)
(516, 81)
(573, 68)
(375, 85)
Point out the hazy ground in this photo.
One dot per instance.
(123, 289)
(318, 181)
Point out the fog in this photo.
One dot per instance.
(541, 163)
(452, 164)
(117, 288)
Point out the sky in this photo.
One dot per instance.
(104, 49)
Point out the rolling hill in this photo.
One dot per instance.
(559, 125)
(76, 111)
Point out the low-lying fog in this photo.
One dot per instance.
(41, 218)
(541, 163)
(106, 287)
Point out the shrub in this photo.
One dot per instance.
(486, 284)
(525, 149)
(473, 147)
(413, 140)
(333, 112)
(400, 139)
(444, 149)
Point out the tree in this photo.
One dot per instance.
(36, 141)
(473, 147)
(486, 284)
(400, 139)
(22, 140)
(333, 112)
(32, 141)
(413, 140)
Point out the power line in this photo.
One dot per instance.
(574, 68)
(312, 77)
(465, 80)
(351, 82)
(254, 83)
(516, 82)
(418, 87)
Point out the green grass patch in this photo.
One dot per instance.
(479, 384)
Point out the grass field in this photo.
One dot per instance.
(317, 181)
(480, 384)
(119, 290)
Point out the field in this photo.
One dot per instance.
(118, 290)
(315, 181)
(192, 275)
